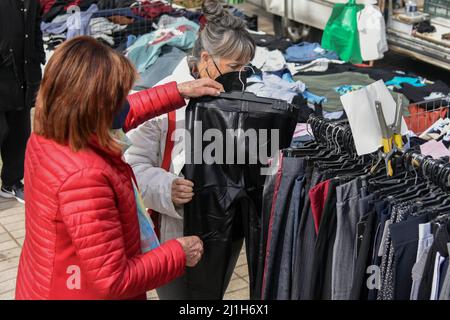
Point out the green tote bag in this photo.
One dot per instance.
(341, 32)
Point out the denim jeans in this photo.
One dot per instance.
(306, 52)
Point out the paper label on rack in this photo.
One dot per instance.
(362, 116)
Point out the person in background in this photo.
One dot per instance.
(82, 205)
(223, 46)
(21, 56)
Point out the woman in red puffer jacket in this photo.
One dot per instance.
(82, 231)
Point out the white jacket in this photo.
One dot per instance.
(146, 155)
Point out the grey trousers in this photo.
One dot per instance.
(445, 290)
(348, 215)
(425, 242)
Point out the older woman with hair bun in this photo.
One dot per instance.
(223, 46)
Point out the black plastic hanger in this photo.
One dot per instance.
(251, 97)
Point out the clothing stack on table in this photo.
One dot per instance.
(273, 66)
(112, 22)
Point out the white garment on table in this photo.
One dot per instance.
(260, 57)
(372, 33)
(332, 115)
(146, 155)
(436, 130)
(435, 95)
(269, 61)
(318, 65)
(272, 86)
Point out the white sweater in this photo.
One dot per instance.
(146, 155)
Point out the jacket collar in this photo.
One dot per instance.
(115, 157)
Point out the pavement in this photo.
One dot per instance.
(12, 233)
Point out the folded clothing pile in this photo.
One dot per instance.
(53, 8)
(103, 29)
(176, 32)
(110, 4)
(306, 52)
(151, 10)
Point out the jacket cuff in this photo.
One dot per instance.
(152, 103)
(176, 99)
(169, 206)
(178, 252)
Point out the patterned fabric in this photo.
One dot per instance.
(149, 240)
(386, 292)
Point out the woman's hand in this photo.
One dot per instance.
(182, 191)
(193, 248)
(200, 88)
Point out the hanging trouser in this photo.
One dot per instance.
(228, 183)
(405, 241)
(348, 214)
(277, 277)
(383, 214)
(365, 237)
(285, 283)
(270, 194)
(306, 239)
(320, 276)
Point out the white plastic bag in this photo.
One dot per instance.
(372, 33)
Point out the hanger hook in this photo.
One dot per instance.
(336, 136)
(240, 76)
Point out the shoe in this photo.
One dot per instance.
(15, 191)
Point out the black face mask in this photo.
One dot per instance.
(121, 116)
(231, 82)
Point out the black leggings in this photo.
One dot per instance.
(226, 208)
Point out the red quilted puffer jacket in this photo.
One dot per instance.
(82, 232)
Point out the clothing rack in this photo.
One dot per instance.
(342, 215)
(435, 170)
(337, 135)
(334, 134)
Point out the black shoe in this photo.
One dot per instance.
(15, 191)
